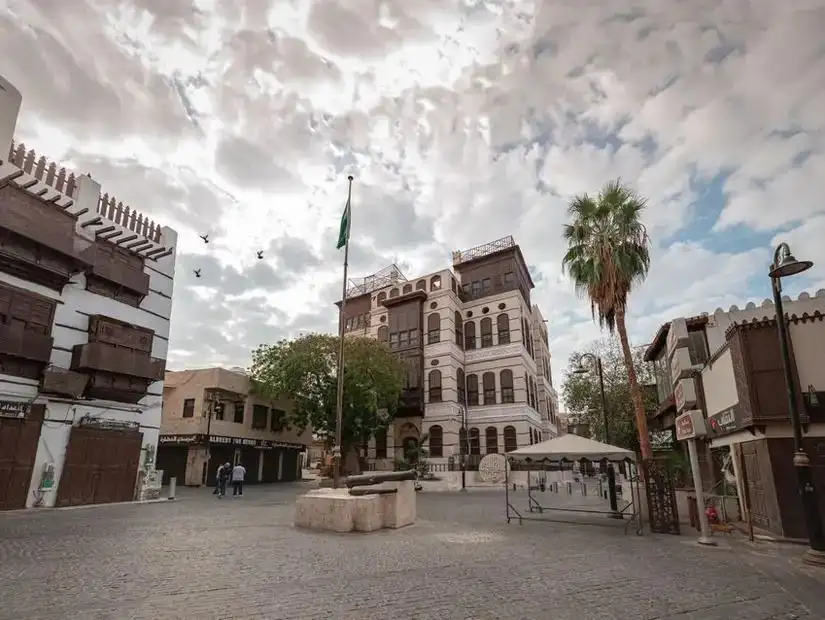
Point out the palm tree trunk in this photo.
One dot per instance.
(635, 390)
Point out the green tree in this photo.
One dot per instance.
(607, 255)
(583, 398)
(305, 370)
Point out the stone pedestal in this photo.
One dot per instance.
(399, 508)
(335, 510)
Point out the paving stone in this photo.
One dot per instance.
(198, 557)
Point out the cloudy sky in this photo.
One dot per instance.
(462, 120)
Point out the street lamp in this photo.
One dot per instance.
(582, 370)
(784, 265)
(611, 473)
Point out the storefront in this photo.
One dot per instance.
(266, 460)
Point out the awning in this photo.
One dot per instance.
(570, 448)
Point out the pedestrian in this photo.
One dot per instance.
(223, 477)
(218, 480)
(238, 475)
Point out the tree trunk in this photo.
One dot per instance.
(635, 390)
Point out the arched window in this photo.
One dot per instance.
(421, 285)
(470, 335)
(488, 380)
(459, 330)
(506, 380)
(523, 332)
(435, 386)
(434, 328)
(472, 389)
(383, 333)
(435, 283)
(491, 439)
(530, 432)
(454, 285)
(503, 326)
(382, 297)
(436, 441)
(475, 441)
(394, 293)
(486, 332)
(381, 444)
(535, 394)
(407, 289)
(510, 442)
(462, 386)
(462, 440)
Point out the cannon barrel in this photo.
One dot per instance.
(378, 477)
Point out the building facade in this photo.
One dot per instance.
(85, 301)
(210, 418)
(728, 365)
(476, 351)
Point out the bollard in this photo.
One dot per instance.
(542, 486)
(569, 488)
(173, 483)
(584, 490)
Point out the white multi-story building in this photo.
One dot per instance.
(476, 351)
(85, 301)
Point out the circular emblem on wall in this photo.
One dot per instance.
(434, 305)
(493, 468)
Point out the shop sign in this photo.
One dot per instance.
(14, 409)
(680, 366)
(108, 424)
(676, 332)
(265, 444)
(690, 425)
(685, 394)
(180, 439)
(726, 421)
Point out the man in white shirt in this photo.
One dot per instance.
(238, 475)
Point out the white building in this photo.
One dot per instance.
(85, 301)
(474, 346)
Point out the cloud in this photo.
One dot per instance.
(461, 122)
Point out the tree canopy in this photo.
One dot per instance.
(305, 371)
(607, 255)
(583, 398)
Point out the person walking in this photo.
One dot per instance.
(218, 479)
(238, 475)
(224, 473)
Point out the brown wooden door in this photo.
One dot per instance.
(100, 467)
(18, 448)
(760, 515)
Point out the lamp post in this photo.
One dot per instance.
(611, 473)
(784, 265)
(581, 370)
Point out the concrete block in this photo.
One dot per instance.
(369, 513)
(326, 509)
(400, 507)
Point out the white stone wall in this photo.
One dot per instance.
(74, 307)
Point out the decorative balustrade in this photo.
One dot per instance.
(65, 182)
(41, 169)
(114, 210)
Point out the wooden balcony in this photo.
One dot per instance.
(116, 265)
(102, 357)
(32, 218)
(25, 344)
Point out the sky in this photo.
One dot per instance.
(462, 121)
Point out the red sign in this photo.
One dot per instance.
(684, 427)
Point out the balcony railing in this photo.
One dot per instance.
(25, 344)
(116, 360)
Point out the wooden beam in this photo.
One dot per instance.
(93, 222)
(105, 229)
(125, 239)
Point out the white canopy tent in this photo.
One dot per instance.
(570, 448)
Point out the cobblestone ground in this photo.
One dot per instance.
(201, 558)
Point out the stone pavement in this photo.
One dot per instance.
(198, 557)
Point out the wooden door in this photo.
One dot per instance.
(100, 467)
(18, 448)
(760, 514)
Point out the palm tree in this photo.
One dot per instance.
(607, 255)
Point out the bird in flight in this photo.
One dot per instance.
(260, 254)
(205, 238)
(197, 273)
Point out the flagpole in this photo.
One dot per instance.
(339, 403)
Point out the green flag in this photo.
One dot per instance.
(343, 231)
